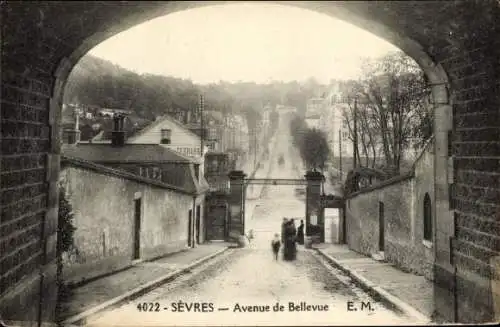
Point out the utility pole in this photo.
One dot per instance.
(340, 152)
(255, 149)
(355, 136)
(202, 103)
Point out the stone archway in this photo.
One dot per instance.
(437, 77)
(455, 42)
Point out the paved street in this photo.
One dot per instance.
(251, 277)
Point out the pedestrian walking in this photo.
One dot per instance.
(283, 226)
(300, 233)
(276, 244)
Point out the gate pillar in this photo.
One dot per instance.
(236, 204)
(313, 205)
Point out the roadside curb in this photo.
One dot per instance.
(80, 283)
(140, 290)
(376, 291)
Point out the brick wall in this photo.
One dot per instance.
(403, 219)
(470, 58)
(27, 222)
(104, 219)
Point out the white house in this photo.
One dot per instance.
(331, 122)
(173, 135)
(314, 106)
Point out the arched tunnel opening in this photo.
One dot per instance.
(43, 42)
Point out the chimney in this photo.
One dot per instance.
(118, 133)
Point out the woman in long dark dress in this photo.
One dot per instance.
(289, 249)
(283, 227)
(293, 231)
(300, 233)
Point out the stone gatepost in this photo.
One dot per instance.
(314, 212)
(236, 204)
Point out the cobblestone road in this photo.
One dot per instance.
(251, 277)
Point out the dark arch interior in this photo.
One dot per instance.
(455, 42)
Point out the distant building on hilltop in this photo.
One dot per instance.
(110, 112)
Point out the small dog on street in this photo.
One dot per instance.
(249, 236)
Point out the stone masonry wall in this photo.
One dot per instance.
(103, 208)
(423, 182)
(403, 218)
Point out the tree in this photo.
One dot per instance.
(298, 128)
(252, 117)
(314, 149)
(393, 107)
(368, 143)
(311, 143)
(65, 224)
(65, 233)
(98, 82)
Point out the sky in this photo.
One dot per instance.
(244, 42)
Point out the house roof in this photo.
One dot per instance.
(180, 176)
(77, 162)
(157, 122)
(216, 153)
(179, 172)
(105, 152)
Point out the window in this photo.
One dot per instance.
(141, 171)
(197, 172)
(156, 173)
(212, 166)
(213, 133)
(166, 135)
(427, 218)
(144, 171)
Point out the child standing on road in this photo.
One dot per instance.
(275, 244)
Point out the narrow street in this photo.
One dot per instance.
(251, 277)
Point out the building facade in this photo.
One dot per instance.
(171, 134)
(333, 124)
(314, 106)
(120, 217)
(155, 163)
